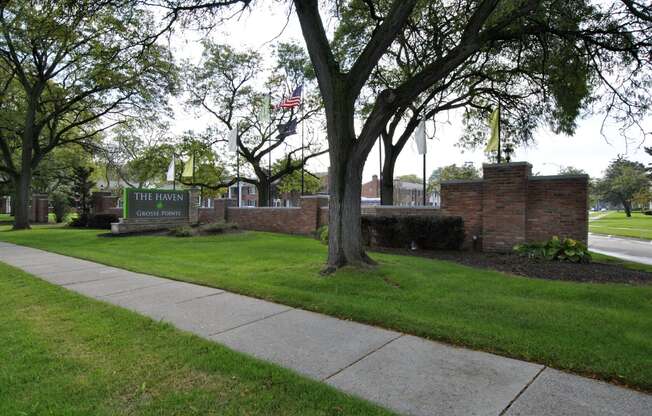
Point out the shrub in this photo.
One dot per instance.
(102, 221)
(217, 227)
(60, 206)
(427, 231)
(647, 212)
(322, 234)
(183, 231)
(80, 221)
(555, 249)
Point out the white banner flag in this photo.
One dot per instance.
(420, 137)
(170, 175)
(233, 140)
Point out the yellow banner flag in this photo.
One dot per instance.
(494, 122)
(189, 168)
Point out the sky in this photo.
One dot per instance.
(587, 149)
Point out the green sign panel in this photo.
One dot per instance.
(155, 204)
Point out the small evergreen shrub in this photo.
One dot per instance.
(556, 249)
(647, 212)
(322, 234)
(217, 227)
(426, 231)
(102, 221)
(183, 231)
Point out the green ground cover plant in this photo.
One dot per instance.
(616, 223)
(64, 354)
(601, 330)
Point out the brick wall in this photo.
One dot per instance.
(557, 205)
(464, 199)
(371, 189)
(4, 205)
(39, 209)
(508, 206)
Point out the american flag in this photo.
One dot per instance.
(294, 100)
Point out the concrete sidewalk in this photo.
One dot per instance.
(410, 375)
(630, 249)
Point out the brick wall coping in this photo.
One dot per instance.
(460, 181)
(505, 165)
(557, 177)
(393, 207)
(266, 208)
(314, 196)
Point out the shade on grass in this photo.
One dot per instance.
(595, 329)
(638, 225)
(63, 354)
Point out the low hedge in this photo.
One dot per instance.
(99, 221)
(426, 231)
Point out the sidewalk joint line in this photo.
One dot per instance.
(522, 391)
(252, 322)
(201, 297)
(362, 358)
(78, 283)
(103, 297)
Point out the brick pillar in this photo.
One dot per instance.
(504, 205)
(4, 205)
(310, 210)
(221, 207)
(193, 207)
(98, 202)
(39, 209)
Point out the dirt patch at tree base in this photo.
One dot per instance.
(594, 272)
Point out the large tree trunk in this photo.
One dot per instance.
(345, 245)
(628, 208)
(24, 180)
(262, 187)
(387, 177)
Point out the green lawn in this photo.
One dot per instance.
(617, 223)
(64, 354)
(596, 329)
(6, 218)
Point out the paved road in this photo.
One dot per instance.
(630, 249)
(408, 374)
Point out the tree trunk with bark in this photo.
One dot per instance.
(24, 180)
(628, 208)
(262, 188)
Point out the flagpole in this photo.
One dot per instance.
(499, 117)
(269, 157)
(302, 154)
(424, 179)
(237, 169)
(174, 177)
(380, 169)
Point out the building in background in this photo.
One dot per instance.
(405, 193)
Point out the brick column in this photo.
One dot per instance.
(310, 210)
(504, 205)
(221, 206)
(39, 209)
(193, 207)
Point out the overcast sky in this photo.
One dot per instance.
(587, 149)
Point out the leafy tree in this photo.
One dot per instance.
(452, 172)
(571, 171)
(622, 182)
(410, 178)
(614, 36)
(292, 182)
(80, 192)
(224, 85)
(74, 70)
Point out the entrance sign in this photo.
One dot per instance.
(155, 204)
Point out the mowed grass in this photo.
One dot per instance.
(638, 225)
(63, 354)
(6, 218)
(602, 330)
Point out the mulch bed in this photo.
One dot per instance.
(594, 272)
